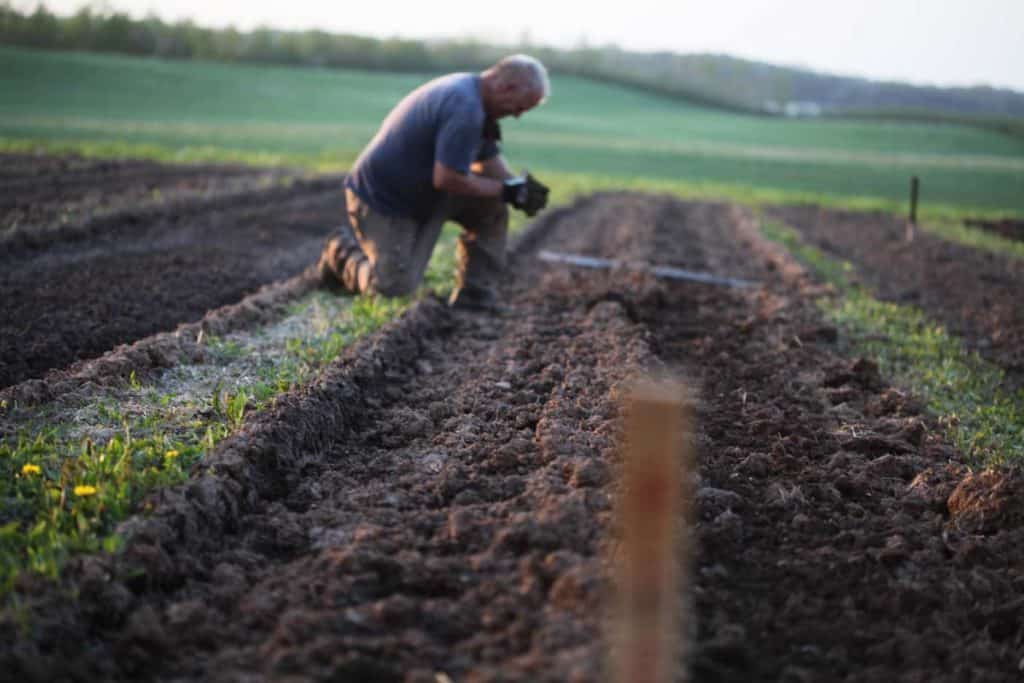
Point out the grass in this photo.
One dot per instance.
(965, 391)
(954, 230)
(323, 118)
(174, 154)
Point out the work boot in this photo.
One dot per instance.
(475, 298)
(327, 267)
(340, 260)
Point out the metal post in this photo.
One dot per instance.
(911, 229)
(915, 185)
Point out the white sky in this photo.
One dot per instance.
(943, 42)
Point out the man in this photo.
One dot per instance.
(436, 157)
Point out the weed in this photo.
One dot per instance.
(223, 349)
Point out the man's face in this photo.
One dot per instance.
(513, 99)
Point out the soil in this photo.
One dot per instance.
(75, 291)
(975, 293)
(41, 191)
(441, 499)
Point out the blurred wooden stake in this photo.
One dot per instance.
(654, 514)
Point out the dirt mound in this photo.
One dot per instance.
(440, 500)
(988, 501)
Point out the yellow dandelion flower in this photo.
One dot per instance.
(172, 454)
(30, 469)
(85, 491)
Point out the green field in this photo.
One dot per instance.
(324, 117)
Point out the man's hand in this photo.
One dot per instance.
(526, 193)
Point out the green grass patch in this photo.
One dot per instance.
(951, 229)
(325, 117)
(184, 154)
(965, 391)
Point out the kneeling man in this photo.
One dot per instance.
(435, 158)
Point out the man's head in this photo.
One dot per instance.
(514, 85)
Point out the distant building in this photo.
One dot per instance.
(803, 109)
(792, 109)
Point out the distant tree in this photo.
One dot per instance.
(42, 29)
(77, 30)
(10, 24)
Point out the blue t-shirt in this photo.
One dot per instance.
(442, 120)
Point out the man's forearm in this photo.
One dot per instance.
(470, 184)
(495, 167)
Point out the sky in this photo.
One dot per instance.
(936, 42)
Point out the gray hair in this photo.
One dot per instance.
(526, 70)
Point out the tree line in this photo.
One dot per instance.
(111, 31)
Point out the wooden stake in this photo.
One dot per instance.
(654, 516)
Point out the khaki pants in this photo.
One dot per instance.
(397, 250)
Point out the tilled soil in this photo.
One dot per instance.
(441, 499)
(41, 191)
(976, 294)
(128, 274)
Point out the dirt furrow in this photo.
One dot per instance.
(39, 192)
(77, 300)
(840, 538)
(114, 179)
(975, 293)
(459, 531)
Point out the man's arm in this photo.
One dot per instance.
(449, 180)
(525, 193)
(495, 167)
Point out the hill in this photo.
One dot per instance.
(717, 80)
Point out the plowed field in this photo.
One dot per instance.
(132, 268)
(440, 500)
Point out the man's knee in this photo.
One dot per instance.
(495, 215)
(481, 214)
(496, 209)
